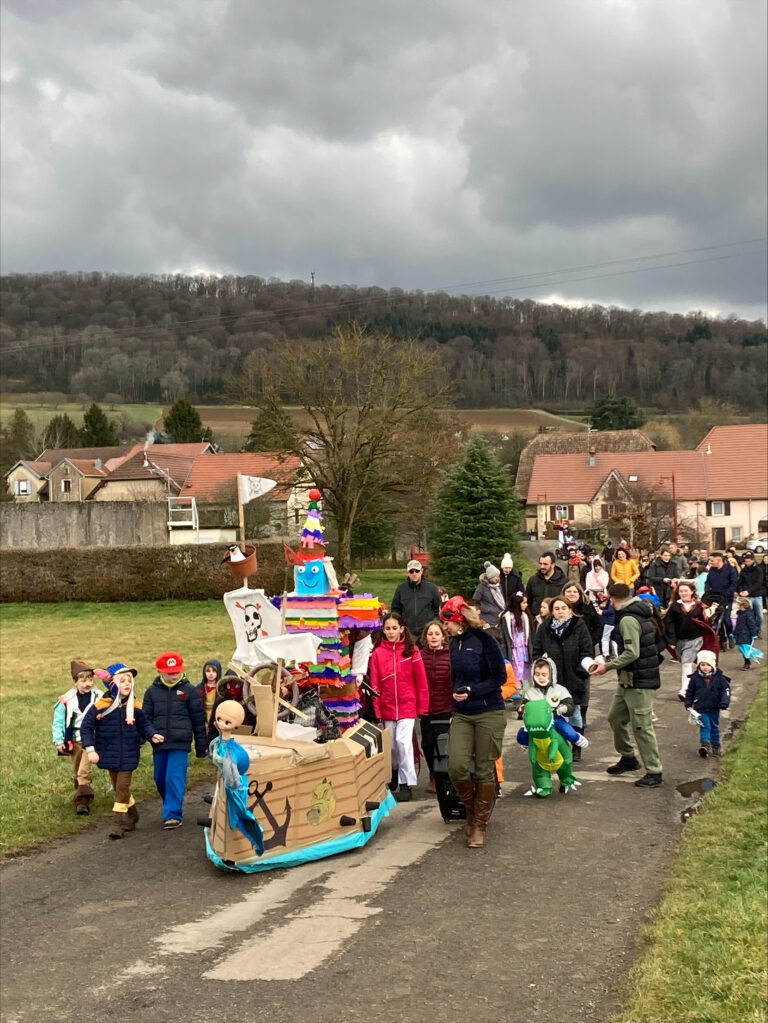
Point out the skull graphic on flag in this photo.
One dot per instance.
(253, 618)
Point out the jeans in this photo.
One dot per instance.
(171, 780)
(709, 729)
(757, 611)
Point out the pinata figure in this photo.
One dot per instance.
(317, 605)
(547, 750)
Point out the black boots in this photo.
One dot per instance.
(623, 765)
(404, 794)
(648, 781)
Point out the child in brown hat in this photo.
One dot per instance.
(71, 708)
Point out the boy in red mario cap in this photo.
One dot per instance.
(173, 706)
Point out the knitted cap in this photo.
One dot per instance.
(76, 667)
(706, 657)
(118, 666)
(507, 562)
(491, 572)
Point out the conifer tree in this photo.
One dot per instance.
(61, 432)
(184, 424)
(98, 431)
(21, 438)
(475, 518)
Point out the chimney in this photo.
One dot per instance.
(97, 463)
(709, 449)
(592, 457)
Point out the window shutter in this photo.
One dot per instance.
(604, 514)
(551, 513)
(709, 508)
(570, 513)
(727, 507)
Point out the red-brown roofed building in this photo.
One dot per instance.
(75, 479)
(722, 485)
(27, 480)
(214, 476)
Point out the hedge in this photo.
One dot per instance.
(189, 572)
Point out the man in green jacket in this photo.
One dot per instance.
(637, 663)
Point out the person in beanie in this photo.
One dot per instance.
(113, 730)
(477, 727)
(511, 581)
(172, 706)
(709, 692)
(489, 595)
(71, 708)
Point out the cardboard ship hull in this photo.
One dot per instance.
(312, 800)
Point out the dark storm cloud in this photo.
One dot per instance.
(412, 145)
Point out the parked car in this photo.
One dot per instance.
(758, 544)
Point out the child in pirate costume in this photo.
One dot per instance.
(113, 730)
(71, 707)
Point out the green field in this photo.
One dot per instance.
(42, 413)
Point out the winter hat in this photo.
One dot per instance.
(118, 666)
(117, 698)
(507, 562)
(491, 572)
(170, 662)
(706, 657)
(75, 667)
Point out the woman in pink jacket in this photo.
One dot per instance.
(397, 674)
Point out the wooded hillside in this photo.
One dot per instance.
(155, 338)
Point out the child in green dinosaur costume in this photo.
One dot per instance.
(548, 751)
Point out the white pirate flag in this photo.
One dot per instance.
(250, 487)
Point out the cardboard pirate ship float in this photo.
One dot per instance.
(311, 799)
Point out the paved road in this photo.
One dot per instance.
(538, 926)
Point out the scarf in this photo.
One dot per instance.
(497, 595)
(558, 627)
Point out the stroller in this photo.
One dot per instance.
(715, 602)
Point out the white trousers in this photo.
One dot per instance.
(402, 749)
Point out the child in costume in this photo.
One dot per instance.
(207, 687)
(708, 693)
(172, 706)
(548, 751)
(398, 675)
(113, 730)
(745, 631)
(71, 708)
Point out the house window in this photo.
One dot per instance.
(561, 511)
(736, 534)
(66, 486)
(718, 507)
(22, 487)
(296, 516)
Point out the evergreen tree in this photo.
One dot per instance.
(98, 431)
(20, 435)
(184, 424)
(475, 518)
(61, 432)
(612, 412)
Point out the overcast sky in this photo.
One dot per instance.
(471, 146)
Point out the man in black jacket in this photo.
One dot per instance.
(660, 574)
(416, 600)
(547, 582)
(637, 664)
(751, 583)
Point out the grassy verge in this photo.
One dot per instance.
(705, 953)
(36, 785)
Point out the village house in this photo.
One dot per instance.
(719, 489)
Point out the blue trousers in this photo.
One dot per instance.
(757, 611)
(171, 780)
(709, 729)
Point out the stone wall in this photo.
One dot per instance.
(72, 524)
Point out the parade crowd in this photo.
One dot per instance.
(458, 666)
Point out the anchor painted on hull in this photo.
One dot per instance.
(279, 831)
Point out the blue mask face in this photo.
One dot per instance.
(310, 579)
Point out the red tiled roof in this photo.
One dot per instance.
(158, 461)
(87, 466)
(212, 473)
(54, 455)
(39, 468)
(568, 479)
(737, 460)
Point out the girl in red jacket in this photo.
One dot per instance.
(437, 665)
(397, 674)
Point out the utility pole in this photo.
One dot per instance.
(312, 278)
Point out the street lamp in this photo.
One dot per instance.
(662, 481)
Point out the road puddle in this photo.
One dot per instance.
(696, 789)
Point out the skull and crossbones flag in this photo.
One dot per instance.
(251, 487)
(253, 618)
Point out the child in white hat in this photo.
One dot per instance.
(709, 692)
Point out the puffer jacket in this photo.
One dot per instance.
(567, 651)
(540, 587)
(477, 662)
(708, 694)
(437, 665)
(490, 608)
(401, 682)
(117, 743)
(745, 629)
(177, 713)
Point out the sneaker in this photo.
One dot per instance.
(648, 781)
(705, 749)
(731, 642)
(623, 765)
(171, 823)
(717, 749)
(404, 794)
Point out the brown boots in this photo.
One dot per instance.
(485, 796)
(118, 825)
(82, 799)
(431, 787)
(131, 818)
(466, 791)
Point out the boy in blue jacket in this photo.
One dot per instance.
(112, 732)
(709, 692)
(173, 706)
